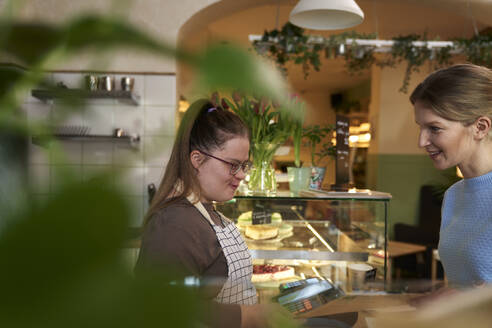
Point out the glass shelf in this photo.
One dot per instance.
(359, 194)
(315, 240)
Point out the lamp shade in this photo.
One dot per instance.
(326, 14)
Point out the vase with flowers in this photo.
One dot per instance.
(270, 126)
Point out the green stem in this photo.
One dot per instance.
(313, 148)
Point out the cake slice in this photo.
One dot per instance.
(265, 272)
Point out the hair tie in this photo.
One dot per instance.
(211, 109)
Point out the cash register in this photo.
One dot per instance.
(307, 294)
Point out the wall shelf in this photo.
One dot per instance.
(121, 95)
(132, 141)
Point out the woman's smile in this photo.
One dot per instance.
(434, 154)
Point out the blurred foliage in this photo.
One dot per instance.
(61, 258)
(297, 130)
(84, 32)
(61, 267)
(227, 68)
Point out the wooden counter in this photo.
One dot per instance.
(451, 309)
(367, 306)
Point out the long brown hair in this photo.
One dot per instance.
(203, 127)
(460, 93)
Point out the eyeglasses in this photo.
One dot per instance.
(235, 167)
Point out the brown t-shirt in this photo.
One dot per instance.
(179, 235)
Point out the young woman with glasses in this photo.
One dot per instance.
(209, 159)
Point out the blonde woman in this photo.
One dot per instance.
(453, 108)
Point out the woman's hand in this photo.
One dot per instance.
(266, 316)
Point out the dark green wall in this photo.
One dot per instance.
(402, 176)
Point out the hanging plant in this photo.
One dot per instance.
(478, 49)
(404, 50)
(359, 58)
(442, 57)
(291, 44)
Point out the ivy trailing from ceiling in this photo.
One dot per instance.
(291, 44)
(404, 50)
(478, 50)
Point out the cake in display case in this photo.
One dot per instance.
(314, 234)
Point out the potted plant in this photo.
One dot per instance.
(327, 150)
(315, 135)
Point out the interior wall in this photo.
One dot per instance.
(132, 168)
(395, 163)
(398, 132)
(160, 19)
(319, 110)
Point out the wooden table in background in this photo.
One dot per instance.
(397, 249)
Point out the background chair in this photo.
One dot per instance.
(425, 233)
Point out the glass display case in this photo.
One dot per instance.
(314, 234)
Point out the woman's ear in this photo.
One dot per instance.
(482, 127)
(196, 158)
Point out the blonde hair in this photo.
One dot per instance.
(203, 127)
(460, 93)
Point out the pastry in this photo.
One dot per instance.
(244, 218)
(261, 232)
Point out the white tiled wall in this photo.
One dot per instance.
(132, 170)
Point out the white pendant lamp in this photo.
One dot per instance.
(326, 14)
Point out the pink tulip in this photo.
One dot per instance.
(263, 104)
(224, 104)
(256, 107)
